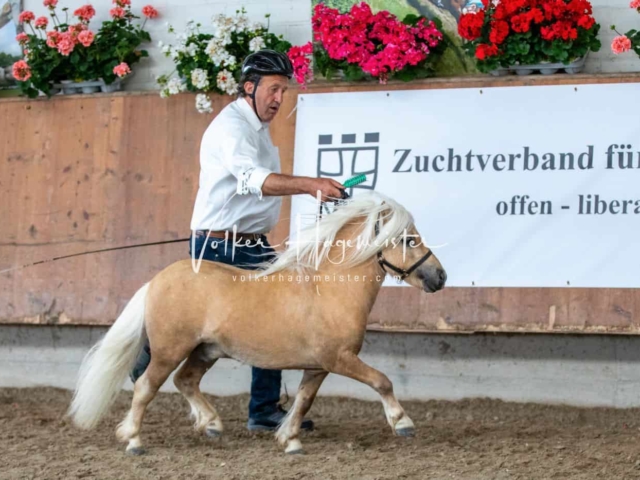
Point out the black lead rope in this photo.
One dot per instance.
(94, 251)
(345, 195)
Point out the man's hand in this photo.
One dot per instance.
(279, 184)
(329, 188)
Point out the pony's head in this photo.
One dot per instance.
(370, 224)
(407, 257)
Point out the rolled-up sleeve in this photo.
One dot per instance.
(240, 156)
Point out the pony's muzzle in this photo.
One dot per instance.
(433, 279)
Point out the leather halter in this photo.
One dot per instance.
(381, 260)
(403, 273)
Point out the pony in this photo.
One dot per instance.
(197, 313)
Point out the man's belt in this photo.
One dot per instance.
(239, 238)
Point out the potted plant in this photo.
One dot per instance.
(359, 44)
(630, 40)
(71, 57)
(529, 35)
(210, 61)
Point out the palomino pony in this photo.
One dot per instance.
(272, 321)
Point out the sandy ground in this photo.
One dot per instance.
(474, 440)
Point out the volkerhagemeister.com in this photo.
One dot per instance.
(300, 278)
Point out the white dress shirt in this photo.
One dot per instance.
(236, 156)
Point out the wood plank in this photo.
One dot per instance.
(88, 172)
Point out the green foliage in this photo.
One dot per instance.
(7, 60)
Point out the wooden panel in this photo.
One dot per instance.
(97, 171)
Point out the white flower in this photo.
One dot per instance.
(222, 22)
(241, 23)
(256, 44)
(223, 36)
(175, 86)
(199, 78)
(256, 26)
(226, 82)
(192, 49)
(203, 103)
(219, 55)
(166, 49)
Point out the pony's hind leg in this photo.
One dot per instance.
(144, 391)
(349, 365)
(288, 432)
(187, 380)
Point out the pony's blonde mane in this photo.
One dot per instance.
(313, 244)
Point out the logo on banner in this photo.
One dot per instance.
(354, 155)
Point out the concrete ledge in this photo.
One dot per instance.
(566, 369)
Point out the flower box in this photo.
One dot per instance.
(524, 37)
(69, 87)
(544, 68)
(72, 58)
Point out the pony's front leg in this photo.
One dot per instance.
(288, 432)
(351, 366)
(144, 391)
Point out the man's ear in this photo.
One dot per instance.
(248, 87)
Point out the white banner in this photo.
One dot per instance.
(512, 187)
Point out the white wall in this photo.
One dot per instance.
(292, 18)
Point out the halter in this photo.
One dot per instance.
(381, 260)
(403, 273)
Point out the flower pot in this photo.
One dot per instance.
(116, 85)
(90, 89)
(69, 87)
(545, 68)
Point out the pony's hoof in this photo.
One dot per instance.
(294, 447)
(136, 451)
(406, 432)
(295, 452)
(213, 433)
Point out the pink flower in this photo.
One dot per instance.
(22, 38)
(85, 12)
(26, 17)
(635, 4)
(117, 12)
(53, 38)
(21, 71)
(42, 22)
(151, 12)
(86, 37)
(122, 3)
(77, 28)
(50, 3)
(121, 70)
(620, 44)
(66, 43)
(299, 57)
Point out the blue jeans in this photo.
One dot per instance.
(265, 384)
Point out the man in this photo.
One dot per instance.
(240, 186)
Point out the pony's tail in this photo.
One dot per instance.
(106, 366)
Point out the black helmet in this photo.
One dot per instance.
(267, 62)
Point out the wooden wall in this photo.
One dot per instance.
(90, 172)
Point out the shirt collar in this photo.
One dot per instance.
(250, 115)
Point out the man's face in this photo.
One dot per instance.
(269, 96)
